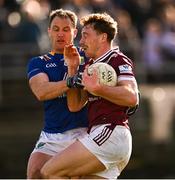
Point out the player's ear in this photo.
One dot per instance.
(104, 37)
(75, 33)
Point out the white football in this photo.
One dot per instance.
(106, 73)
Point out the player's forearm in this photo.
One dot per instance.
(76, 99)
(120, 95)
(49, 90)
(72, 70)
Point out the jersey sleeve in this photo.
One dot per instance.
(124, 68)
(35, 66)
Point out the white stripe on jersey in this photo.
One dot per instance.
(110, 52)
(36, 69)
(126, 78)
(65, 76)
(125, 59)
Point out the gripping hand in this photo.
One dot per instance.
(75, 81)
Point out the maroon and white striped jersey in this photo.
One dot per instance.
(102, 111)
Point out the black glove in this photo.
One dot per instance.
(132, 110)
(75, 81)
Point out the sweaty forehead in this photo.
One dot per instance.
(88, 29)
(61, 21)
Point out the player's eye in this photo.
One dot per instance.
(55, 28)
(84, 36)
(66, 29)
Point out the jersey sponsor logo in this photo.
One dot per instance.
(125, 68)
(50, 65)
(95, 98)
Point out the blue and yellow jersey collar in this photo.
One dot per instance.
(54, 53)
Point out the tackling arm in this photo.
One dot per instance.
(76, 96)
(45, 90)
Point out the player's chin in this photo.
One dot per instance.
(60, 48)
(60, 44)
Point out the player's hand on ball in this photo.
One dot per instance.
(98, 75)
(91, 81)
(106, 73)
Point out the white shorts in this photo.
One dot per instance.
(52, 143)
(111, 146)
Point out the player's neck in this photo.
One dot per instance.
(105, 48)
(57, 51)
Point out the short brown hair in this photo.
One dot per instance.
(63, 14)
(102, 23)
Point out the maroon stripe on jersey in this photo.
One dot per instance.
(103, 136)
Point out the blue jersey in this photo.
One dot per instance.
(57, 116)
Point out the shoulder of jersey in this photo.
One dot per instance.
(45, 57)
(112, 54)
(120, 56)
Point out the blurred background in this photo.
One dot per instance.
(146, 35)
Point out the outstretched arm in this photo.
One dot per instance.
(76, 97)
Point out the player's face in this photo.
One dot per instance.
(90, 41)
(61, 32)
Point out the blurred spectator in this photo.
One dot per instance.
(128, 38)
(152, 54)
(6, 33)
(139, 10)
(103, 6)
(81, 8)
(168, 38)
(42, 22)
(25, 21)
(2, 18)
(27, 31)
